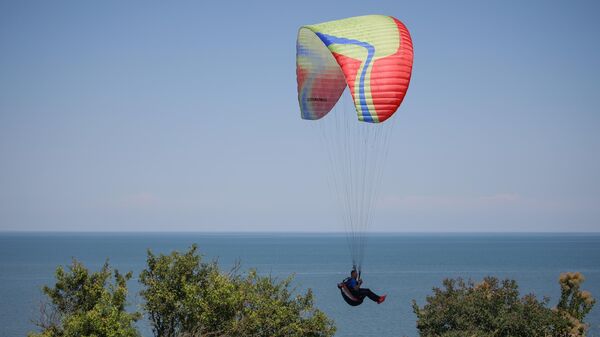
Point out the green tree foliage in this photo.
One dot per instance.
(186, 297)
(84, 303)
(494, 308)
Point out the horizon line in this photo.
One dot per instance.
(10, 231)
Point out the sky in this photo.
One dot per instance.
(183, 116)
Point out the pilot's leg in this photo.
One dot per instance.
(367, 292)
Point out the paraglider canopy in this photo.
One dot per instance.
(371, 54)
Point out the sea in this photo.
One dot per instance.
(403, 266)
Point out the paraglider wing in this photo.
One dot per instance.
(371, 54)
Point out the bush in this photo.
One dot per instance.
(87, 304)
(494, 308)
(185, 297)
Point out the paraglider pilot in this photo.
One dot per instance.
(354, 294)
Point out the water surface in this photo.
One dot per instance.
(405, 266)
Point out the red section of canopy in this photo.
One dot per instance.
(301, 76)
(390, 76)
(350, 68)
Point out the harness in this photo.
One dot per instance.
(347, 294)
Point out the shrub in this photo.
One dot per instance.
(494, 308)
(186, 297)
(84, 303)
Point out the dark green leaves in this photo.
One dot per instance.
(494, 308)
(186, 297)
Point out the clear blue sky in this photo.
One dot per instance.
(125, 115)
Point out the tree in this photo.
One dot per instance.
(267, 308)
(186, 297)
(87, 304)
(494, 308)
(574, 304)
